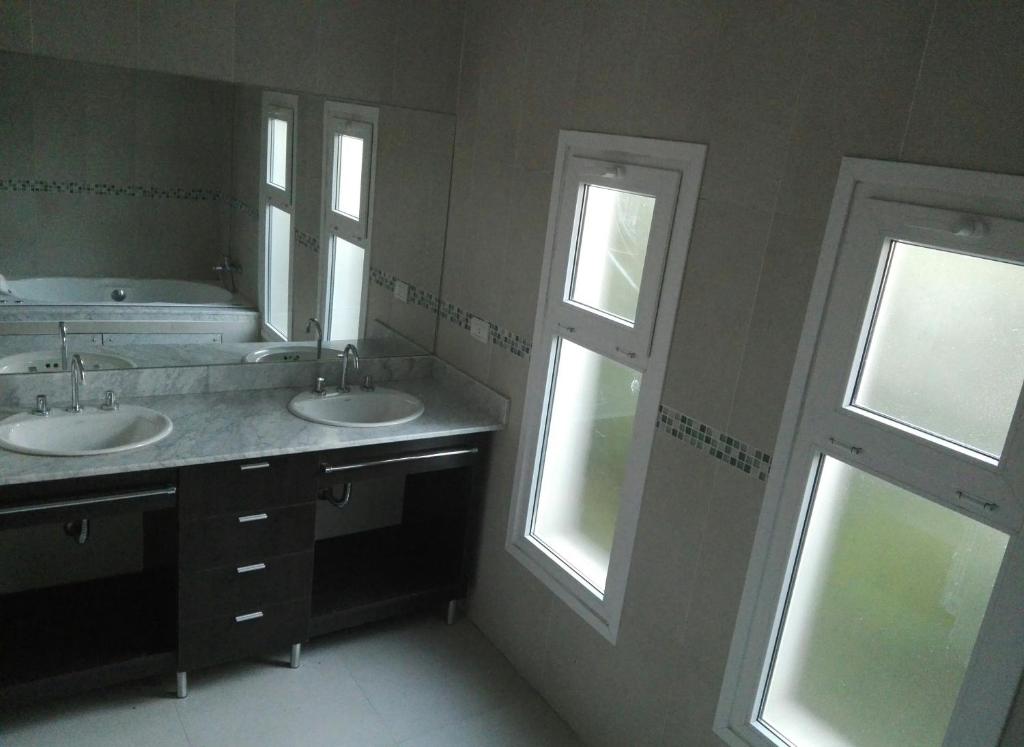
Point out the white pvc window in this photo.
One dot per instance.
(622, 210)
(277, 198)
(883, 602)
(349, 154)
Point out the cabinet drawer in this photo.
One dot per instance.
(226, 589)
(242, 633)
(246, 486)
(244, 538)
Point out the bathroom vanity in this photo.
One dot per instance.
(230, 560)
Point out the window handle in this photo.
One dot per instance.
(981, 502)
(627, 353)
(566, 328)
(849, 447)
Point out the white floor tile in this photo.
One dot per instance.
(528, 721)
(117, 717)
(415, 681)
(421, 674)
(264, 703)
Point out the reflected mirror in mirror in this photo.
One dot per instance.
(136, 207)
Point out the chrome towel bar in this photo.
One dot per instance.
(329, 469)
(89, 500)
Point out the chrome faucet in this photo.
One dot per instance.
(62, 328)
(227, 269)
(77, 378)
(314, 322)
(349, 350)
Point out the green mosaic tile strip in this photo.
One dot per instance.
(47, 186)
(497, 335)
(243, 207)
(721, 446)
(307, 240)
(416, 296)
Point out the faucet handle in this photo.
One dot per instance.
(42, 408)
(109, 401)
(319, 387)
(367, 385)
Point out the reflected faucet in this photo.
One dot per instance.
(77, 378)
(349, 350)
(314, 322)
(62, 328)
(228, 268)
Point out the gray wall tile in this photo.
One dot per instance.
(192, 37)
(16, 25)
(103, 31)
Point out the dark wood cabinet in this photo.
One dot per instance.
(230, 566)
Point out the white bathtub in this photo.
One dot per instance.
(116, 291)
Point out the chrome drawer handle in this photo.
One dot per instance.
(248, 617)
(251, 517)
(251, 568)
(254, 465)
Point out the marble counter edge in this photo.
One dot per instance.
(303, 436)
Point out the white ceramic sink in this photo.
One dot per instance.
(90, 432)
(357, 409)
(289, 353)
(43, 361)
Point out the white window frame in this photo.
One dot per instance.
(621, 162)
(280, 106)
(877, 202)
(362, 121)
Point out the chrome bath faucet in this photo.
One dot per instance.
(62, 329)
(314, 322)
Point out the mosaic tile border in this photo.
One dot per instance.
(243, 207)
(308, 241)
(117, 190)
(721, 446)
(497, 335)
(416, 296)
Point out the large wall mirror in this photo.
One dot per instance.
(149, 219)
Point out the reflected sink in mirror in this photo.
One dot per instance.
(88, 433)
(46, 361)
(358, 409)
(288, 353)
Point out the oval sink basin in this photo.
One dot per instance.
(43, 361)
(357, 409)
(87, 433)
(289, 353)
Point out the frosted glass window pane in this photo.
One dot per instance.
(348, 170)
(346, 290)
(277, 153)
(609, 262)
(889, 596)
(589, 433)
(946, 353)
(279, 260)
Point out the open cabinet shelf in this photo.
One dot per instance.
(90, 631)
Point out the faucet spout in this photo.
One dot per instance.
(314, 322)
(353, 352)
(77, 379)
(62, 329)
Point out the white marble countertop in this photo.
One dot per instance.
(246, 424)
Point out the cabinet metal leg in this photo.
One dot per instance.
(182, 689)
(296, 654)
(452, 614)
